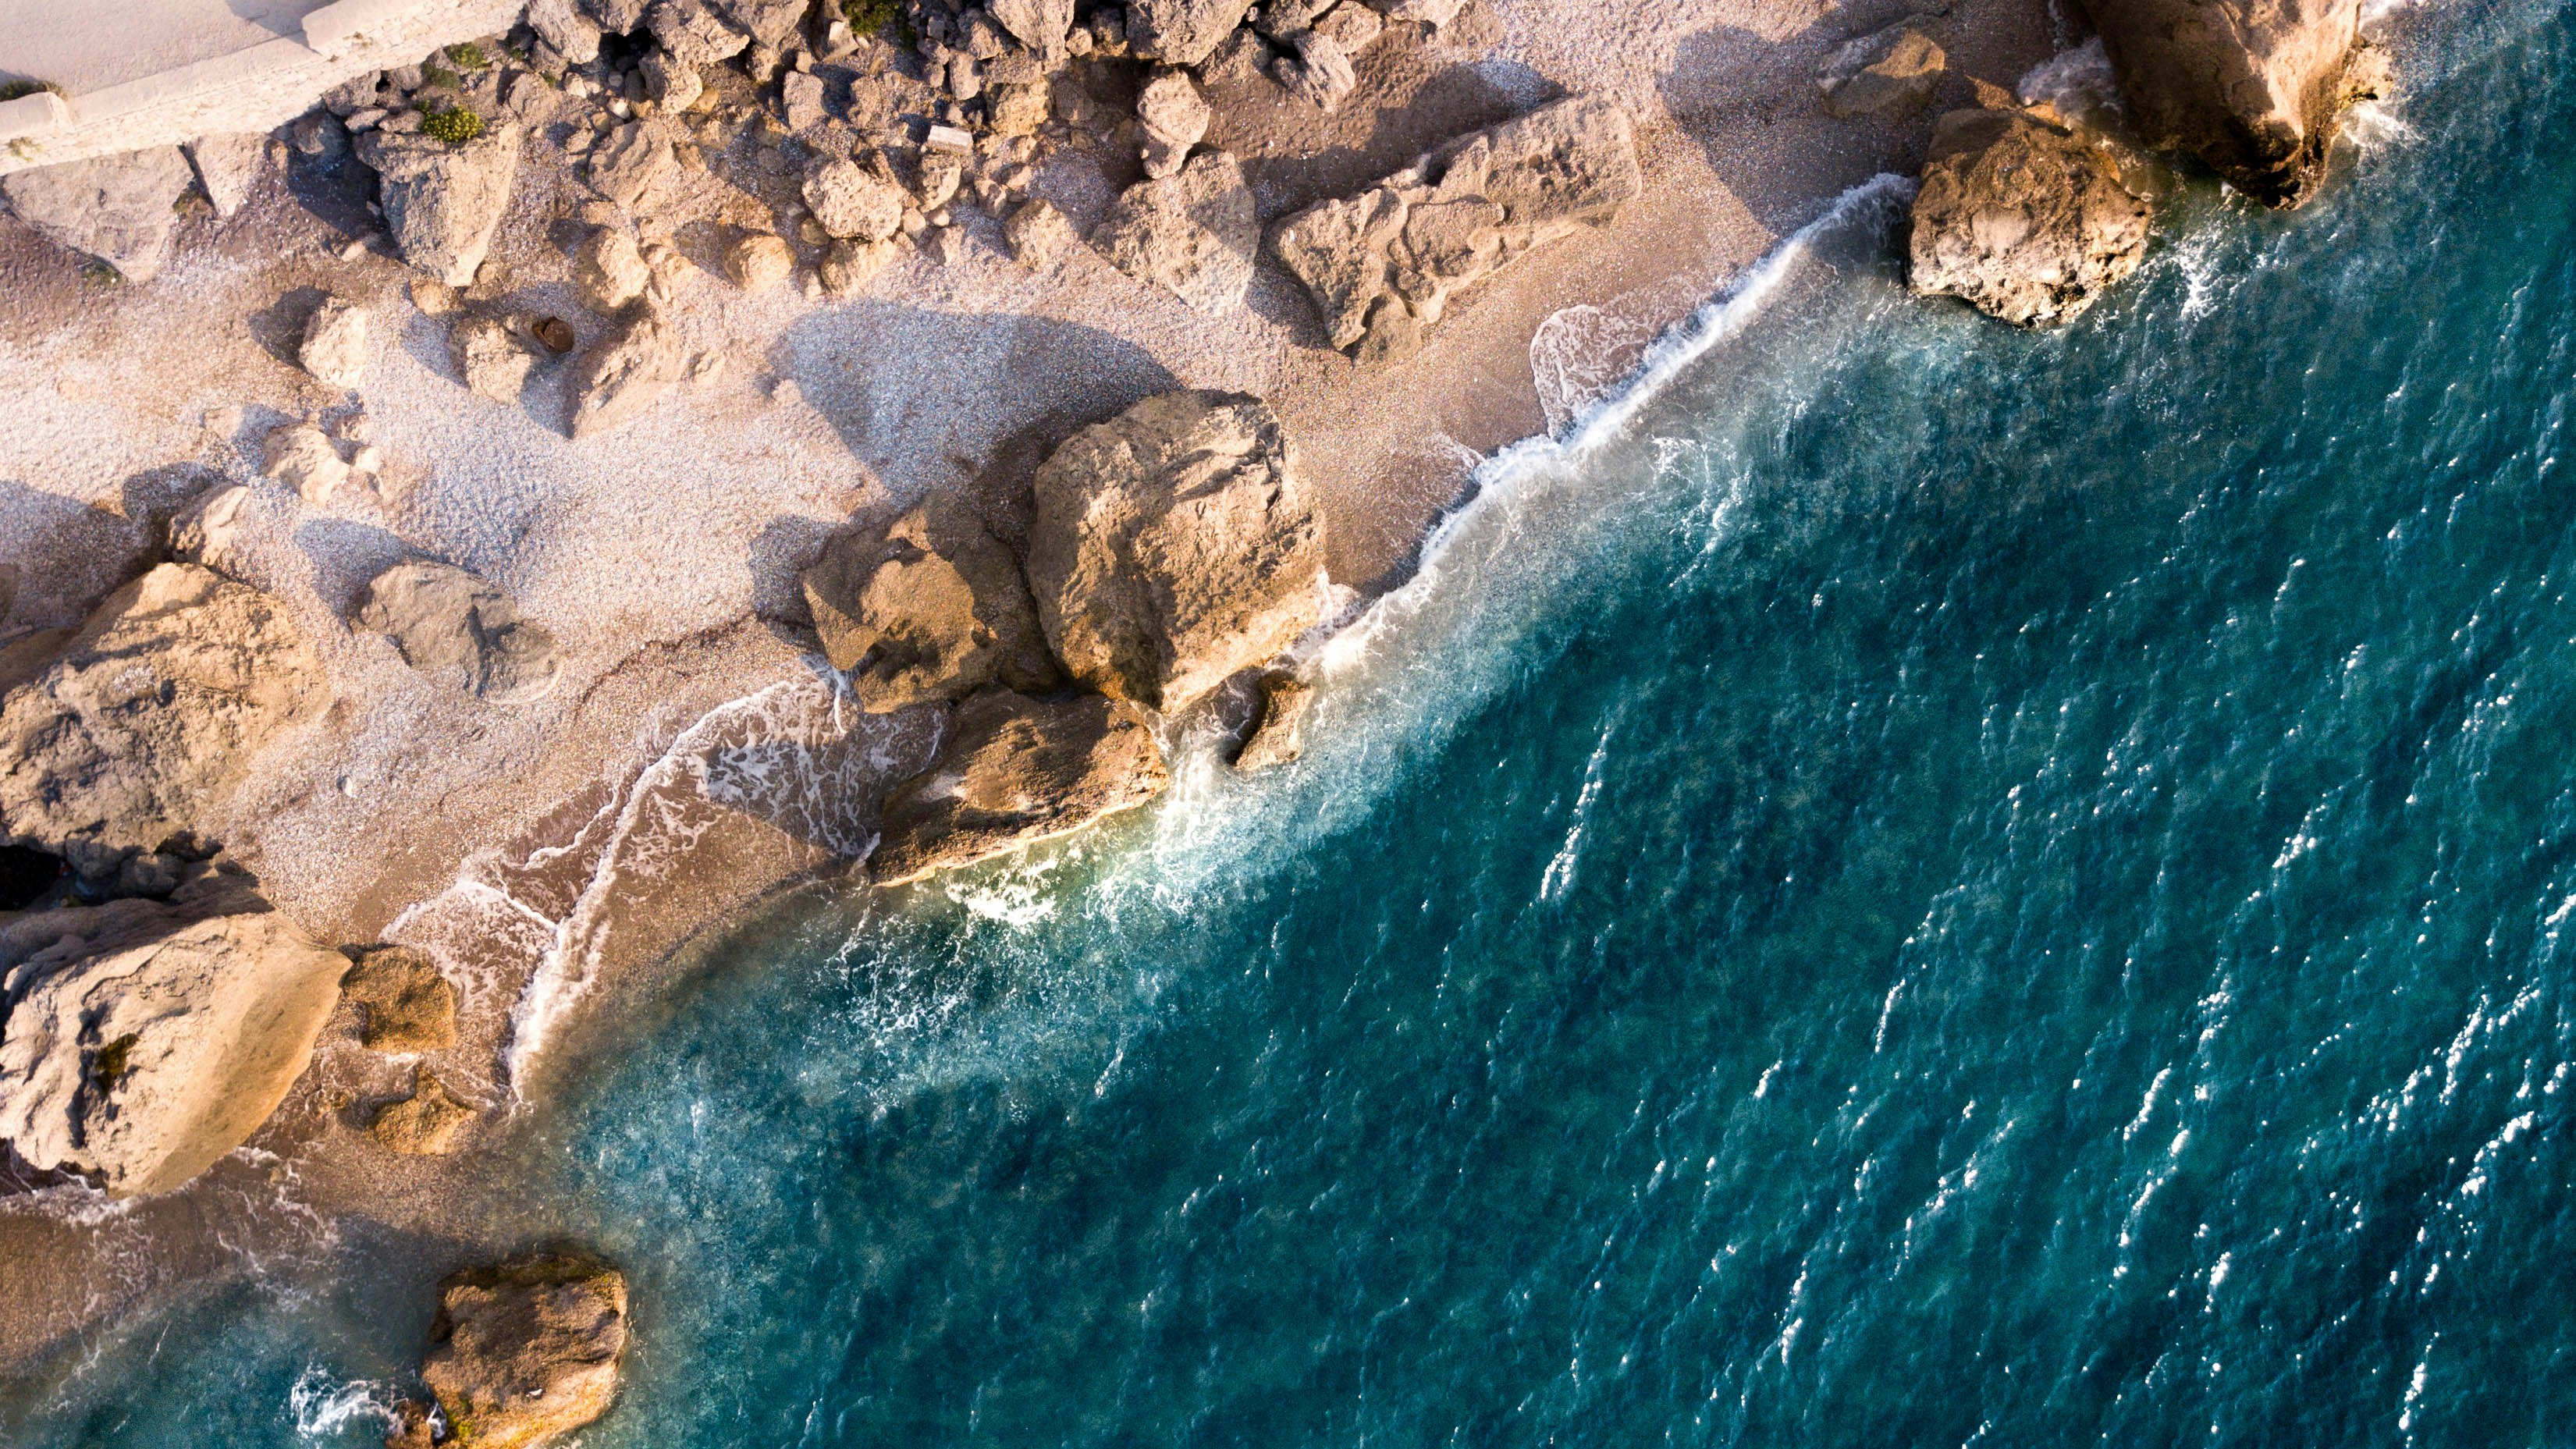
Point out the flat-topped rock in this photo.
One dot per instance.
(1173, 546)
(527, 1350)
(1382, 265)
(115, 208)
(461, 631)
(151, 716)
(2252, 87)
(141, 1054)
(405, 1003)
(1193, 233)
(2022, 218)
(932, 607)
(1014, 771)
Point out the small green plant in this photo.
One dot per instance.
(13, 90)
(111, 1061)
(468, 55)
(100, 274)
(867, 17)
(455, 125)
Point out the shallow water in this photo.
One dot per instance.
(1912, 885)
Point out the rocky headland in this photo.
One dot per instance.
(418, 514)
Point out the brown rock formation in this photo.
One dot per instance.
(2022, 218)
(428, 1123)
(405, 1004)
(461, 631)
(526, 1350)
(932, 608)
(1015, 771)
(1277, 737)
(1173, 546)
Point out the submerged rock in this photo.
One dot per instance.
(150, 717)
(1014, 771)
(1193, 233)
(443, 202)
(141, 1054)
(115, 208)
(1173, 546)
(429, 1122)
(405, 1003)
(2253, 89)
(2022, 218)
(931, 608)
(1887, 75)
(460, 631)
(526, 1350)
(1382, 265)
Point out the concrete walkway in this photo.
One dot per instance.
(85, 46)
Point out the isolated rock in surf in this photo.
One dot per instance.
(526, 1350)
(430, 1122)
(1174, 545)
(460, 631)
(405, 1003)
(442, 202)
(2250, 87)
(1192, 233)
(1278, 737)
(1887, 75)
(115, 208)
(151, 717)
(1014, 771)
(1382, 265)
(2023, 219)
(142, 1055)
(933, 607)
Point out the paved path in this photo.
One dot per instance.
(86, 46)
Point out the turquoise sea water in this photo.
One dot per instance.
(1918, 885)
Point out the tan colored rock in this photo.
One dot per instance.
(848, 266)
(624, 374)
(2022, 219)
(1041, 25)
(673, 85)
(441, 202)
(460, 631)
(1382, 265)
(1174, 118)
(1278, 737)
(1887, 75)
(933, 607)
(692, 32)
(494, 359)
(609, 270)
(142, 1055)
(526, 1351)
(1316, 69)
(118, 209)
(304, 458)
(1193, 233)
(1014, 771)
(1017, 108)
(1039, 235)
(1182, 32)
(405, 1003)
(759, 261)
(151, 716)
(1350, 25)
(335, 342)
(853, 201)
(1173, 546)
(630, 161)
(228, 165)
(2252, 87)
(428, 1123)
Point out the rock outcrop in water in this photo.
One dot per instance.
(150, 717)
(148, 1040)
(2022, 218)
(1014, 771)
(461, 631)
(524, 1351)
(2249, 86)
(1382, 265)
(1278, 732)
(932, 608)
(1174, 545)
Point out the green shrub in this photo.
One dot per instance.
(468, 56)
(455, 126)
(867, 17)
(12, 90)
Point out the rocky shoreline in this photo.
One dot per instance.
(967, 662)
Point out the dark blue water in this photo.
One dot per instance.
(1918, 885)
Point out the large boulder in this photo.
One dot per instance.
(931, 608)
(406, 1004)
(1014, 771)
(151, 717)
(1382, 265)
(1193, 233)
(1182, 32)
(622, 375)
(2251, 87)
(2024, 219)
(140, 1053)
(1173, 546)
(693, 33)
(461, 631)
(443, 202)
(773, 23)
(228, 164)
(526, 1350)
(853, 201)
(116, 208)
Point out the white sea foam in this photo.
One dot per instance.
(325, 1406)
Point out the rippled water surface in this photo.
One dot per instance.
(1920, 886)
